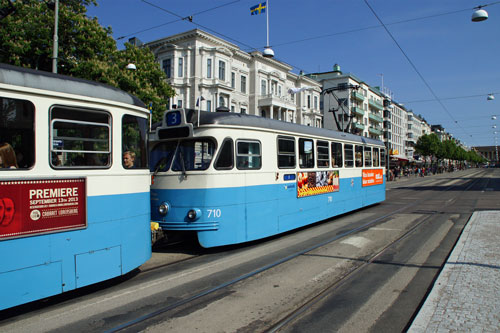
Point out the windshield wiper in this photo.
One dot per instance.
(184, 174)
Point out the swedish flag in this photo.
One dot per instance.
(258, 9)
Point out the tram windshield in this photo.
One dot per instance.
(183, 155)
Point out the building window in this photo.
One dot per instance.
(222, 70)
(308, 101)
(209, 105)
(209, 68)
(179, 103)
(263, 87)
(316, 102)
(180, 72)
(233, 80)
(243, 84)
(243, 110)
(167, 67)
(279, 90)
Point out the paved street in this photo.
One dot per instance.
(465, 297)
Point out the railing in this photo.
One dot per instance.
(375, 117)
(375, 104)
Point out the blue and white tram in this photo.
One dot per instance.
(233, 178)
(71, 213)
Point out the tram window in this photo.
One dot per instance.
(368, 156)
(162, 155)
(248, 155)
(349, 156)
(286, 152)
(193, 155)
(383, 157)
(336, 154)
(376, 160)
(80, 138)
(359, 156)
(306, 153)
(134, 139)
(17, 134)
(225, 159)
(323, 154)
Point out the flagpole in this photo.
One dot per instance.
(267, 20)
(268, 52)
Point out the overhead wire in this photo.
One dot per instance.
(415, 68)
(211, 30)
(178, 20)
(449, 98)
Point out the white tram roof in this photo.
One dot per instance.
(36, 79)
(238, 119)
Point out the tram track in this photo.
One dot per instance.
(163, 295)
(132, 324)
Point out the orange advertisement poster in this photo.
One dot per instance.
(373, 177)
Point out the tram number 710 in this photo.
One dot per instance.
(214, 213)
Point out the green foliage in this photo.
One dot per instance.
(429, 145)
(86, 49)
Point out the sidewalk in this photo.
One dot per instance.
(466, 295)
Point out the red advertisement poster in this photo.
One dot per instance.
(30, 207)
(318, 182)
(373, 177)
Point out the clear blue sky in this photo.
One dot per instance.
(456, 57)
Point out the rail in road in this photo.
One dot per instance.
(360, 265)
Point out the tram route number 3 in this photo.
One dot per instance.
(214, 213)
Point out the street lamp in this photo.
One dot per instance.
(479, 14)
(131, 67)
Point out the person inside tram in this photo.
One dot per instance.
(128, 159)
(7, 156)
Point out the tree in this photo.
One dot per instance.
(428, 145)
(86, 49)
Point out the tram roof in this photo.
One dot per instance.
(238, 119)
(36, 79)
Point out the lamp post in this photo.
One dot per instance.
(55, 41)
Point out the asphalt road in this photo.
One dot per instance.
(373, 279)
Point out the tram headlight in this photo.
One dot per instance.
(194, 214)
(163, 208)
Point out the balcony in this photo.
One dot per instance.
(358, 96)
(375, 117)
(373, 103)
(358, 111)
(274, 100)
(359, 126)
(375, 130)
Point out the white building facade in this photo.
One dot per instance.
(201, 67)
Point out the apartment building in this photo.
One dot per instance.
(212, 74)
(350, 104)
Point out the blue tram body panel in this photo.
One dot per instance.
(254, 212)
(112, 245)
